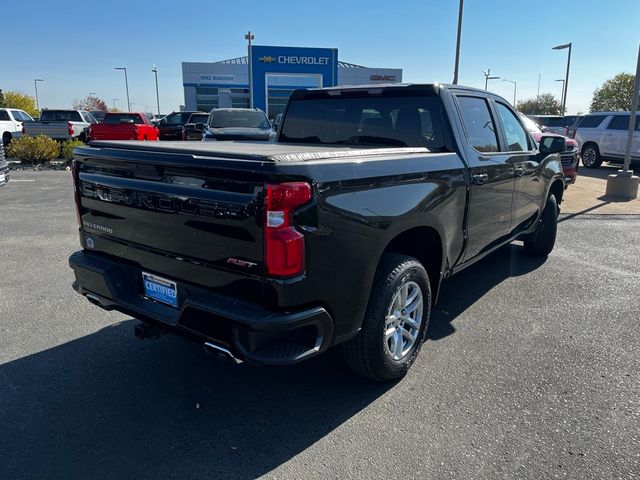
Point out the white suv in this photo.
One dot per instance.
(603, 136)
(11, 123)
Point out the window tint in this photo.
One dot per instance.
(591, 121)
(199, 118)
(60, 116)
(517, 139)
(478, 124)
(365, 119)
(4, 116)
(550, 121)
(22, 116)
(621, 122)
(117, 118)
(238, 118)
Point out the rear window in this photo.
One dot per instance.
(60, 116)
(199, 118)
(178, 118)
(238, 118)
(621, 122)
(591, 121)
(364, 119)
(122, 118)
(550, 121)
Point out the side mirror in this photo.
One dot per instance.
(552, 144)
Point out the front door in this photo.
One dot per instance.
(529, 190)
(492, 177)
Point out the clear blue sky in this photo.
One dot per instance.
(74, 45)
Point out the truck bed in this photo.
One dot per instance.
(258, 151)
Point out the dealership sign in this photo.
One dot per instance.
(291, 61)
(212, 77)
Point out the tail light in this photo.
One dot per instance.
(284, 245)
(75, 174)
(70, 129)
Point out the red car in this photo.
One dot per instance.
(124, 126)
(569, 157)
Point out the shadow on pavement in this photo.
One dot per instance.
(463, 290)
(109, 406)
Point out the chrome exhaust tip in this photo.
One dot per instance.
(220, 352)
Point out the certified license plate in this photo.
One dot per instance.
(160, 289)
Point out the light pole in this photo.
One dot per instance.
(126, 84)
(114, 103)
(249, 36)
(566, 79)
(515, 86)
(35, 83)
(155, 72)
(457, 62)
(487, 77)
(562, 92)
(91, 94)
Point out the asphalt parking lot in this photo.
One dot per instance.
(531, 371)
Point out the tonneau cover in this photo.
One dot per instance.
(260, 151)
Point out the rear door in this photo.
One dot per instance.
(520, 151)
(614, 140)
(492, 176)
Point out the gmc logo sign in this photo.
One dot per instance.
(382, 78)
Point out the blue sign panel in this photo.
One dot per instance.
(289, 62)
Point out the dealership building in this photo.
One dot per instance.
(275, 73)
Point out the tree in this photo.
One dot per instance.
(21, 101)
(90, 103)
(545, 104)
(614, 95)
(1, 99)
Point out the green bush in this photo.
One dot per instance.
(33, 149)
(68, 146)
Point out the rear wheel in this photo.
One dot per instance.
(396, 320)
(6, 138)
(591, 156)
(541, 242)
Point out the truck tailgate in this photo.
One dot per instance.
(108, 131)
(187, 216)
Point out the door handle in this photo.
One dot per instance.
(480, 178)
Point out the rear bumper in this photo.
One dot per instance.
(248, 330)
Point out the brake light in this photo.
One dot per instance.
(284, 245)
(75, 174)
(70, 129)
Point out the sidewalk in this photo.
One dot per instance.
(587, 195)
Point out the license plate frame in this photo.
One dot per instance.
(160, 289)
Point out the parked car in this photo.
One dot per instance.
(238, 124)
(571, 122)
(602, 136)
(124, 126)
(4, 167)
(171, 125)
(570, 157)
(12, 122)
(98, 115)
(62, 124)
(341, 232)
(193, 129)
(550, 123)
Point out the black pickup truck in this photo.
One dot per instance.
(340, 232)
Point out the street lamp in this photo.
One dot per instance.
(126, 84)
(35, 83)
(249, 36)
(487, 77)
(155, 72)
(91, 94)
(114, 103)
(459, 35)
(515, 86)
(566, 80)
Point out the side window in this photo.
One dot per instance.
(517, 139)
(591, 121)
(4, 116)
(619, 122)
(478, 124)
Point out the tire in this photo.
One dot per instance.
(6, 139)
(82, 137)
(591, 156)
(540, 243)
(370, 352)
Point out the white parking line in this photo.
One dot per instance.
(12, 181)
